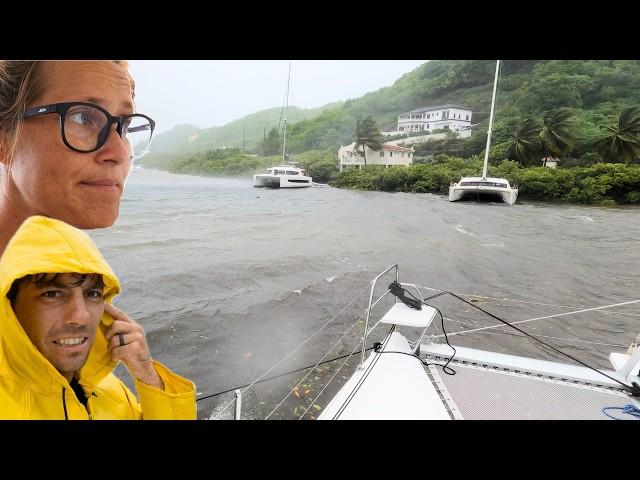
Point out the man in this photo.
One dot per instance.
(60, 338)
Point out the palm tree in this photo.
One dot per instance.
(368, 135)
(525, 143)
(557, 136)
(623, 138)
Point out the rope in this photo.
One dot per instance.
(634, 388)
(537, 318)
(362, 379)
(295, 350)
(276, 376)
(331, 379)
(628, 409)
(544, 336)
(518, 301)
(303, 378)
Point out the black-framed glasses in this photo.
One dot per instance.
(85, 127)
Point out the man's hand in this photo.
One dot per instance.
(126, 342)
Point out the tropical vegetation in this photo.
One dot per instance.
(584, 114)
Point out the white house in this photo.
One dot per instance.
(449, 117)
(390, 156)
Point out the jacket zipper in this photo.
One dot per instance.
(64, 404)
(89, 409)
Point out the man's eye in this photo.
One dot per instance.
(94, 294)
(51, 294)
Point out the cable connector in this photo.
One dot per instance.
(396, 289)
(377, 347)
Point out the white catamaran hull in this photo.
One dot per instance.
(281, 181)
(508, 195)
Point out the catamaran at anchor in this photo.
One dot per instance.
(283, 176)
(485, 186)
(288, 174)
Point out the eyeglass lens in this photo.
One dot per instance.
(86, 128)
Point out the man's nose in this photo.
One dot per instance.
(78, 313)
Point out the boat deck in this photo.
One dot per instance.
(482, 391)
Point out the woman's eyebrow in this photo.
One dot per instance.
(125, 104)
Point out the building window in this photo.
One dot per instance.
(467, 117)
(391, 154)
(382, 154)
(446, 126)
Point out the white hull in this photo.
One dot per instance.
(281, 181)
(459, 190)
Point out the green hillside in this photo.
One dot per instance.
(596, 91)
(544, 102)
(188, 139)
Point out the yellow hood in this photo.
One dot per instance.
(45, 245)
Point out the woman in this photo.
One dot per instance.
(67, 133)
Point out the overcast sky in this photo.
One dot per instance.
(209, 93)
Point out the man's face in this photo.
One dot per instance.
(61, 318)
(47, 178)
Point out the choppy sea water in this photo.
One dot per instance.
(228, 279)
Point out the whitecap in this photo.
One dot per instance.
(461, 229)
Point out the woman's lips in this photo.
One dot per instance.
(107, 185)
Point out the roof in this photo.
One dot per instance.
(392, 147)
(388, 147)
(439, 107)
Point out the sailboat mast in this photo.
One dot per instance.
(286, 108)
(493, 102)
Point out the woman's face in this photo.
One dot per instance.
(46, 177)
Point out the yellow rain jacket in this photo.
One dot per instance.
(30, 386)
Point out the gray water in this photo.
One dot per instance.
(228, 279)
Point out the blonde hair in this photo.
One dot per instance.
(21, 82)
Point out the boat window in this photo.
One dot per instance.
(290, 172)
(483, 184)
